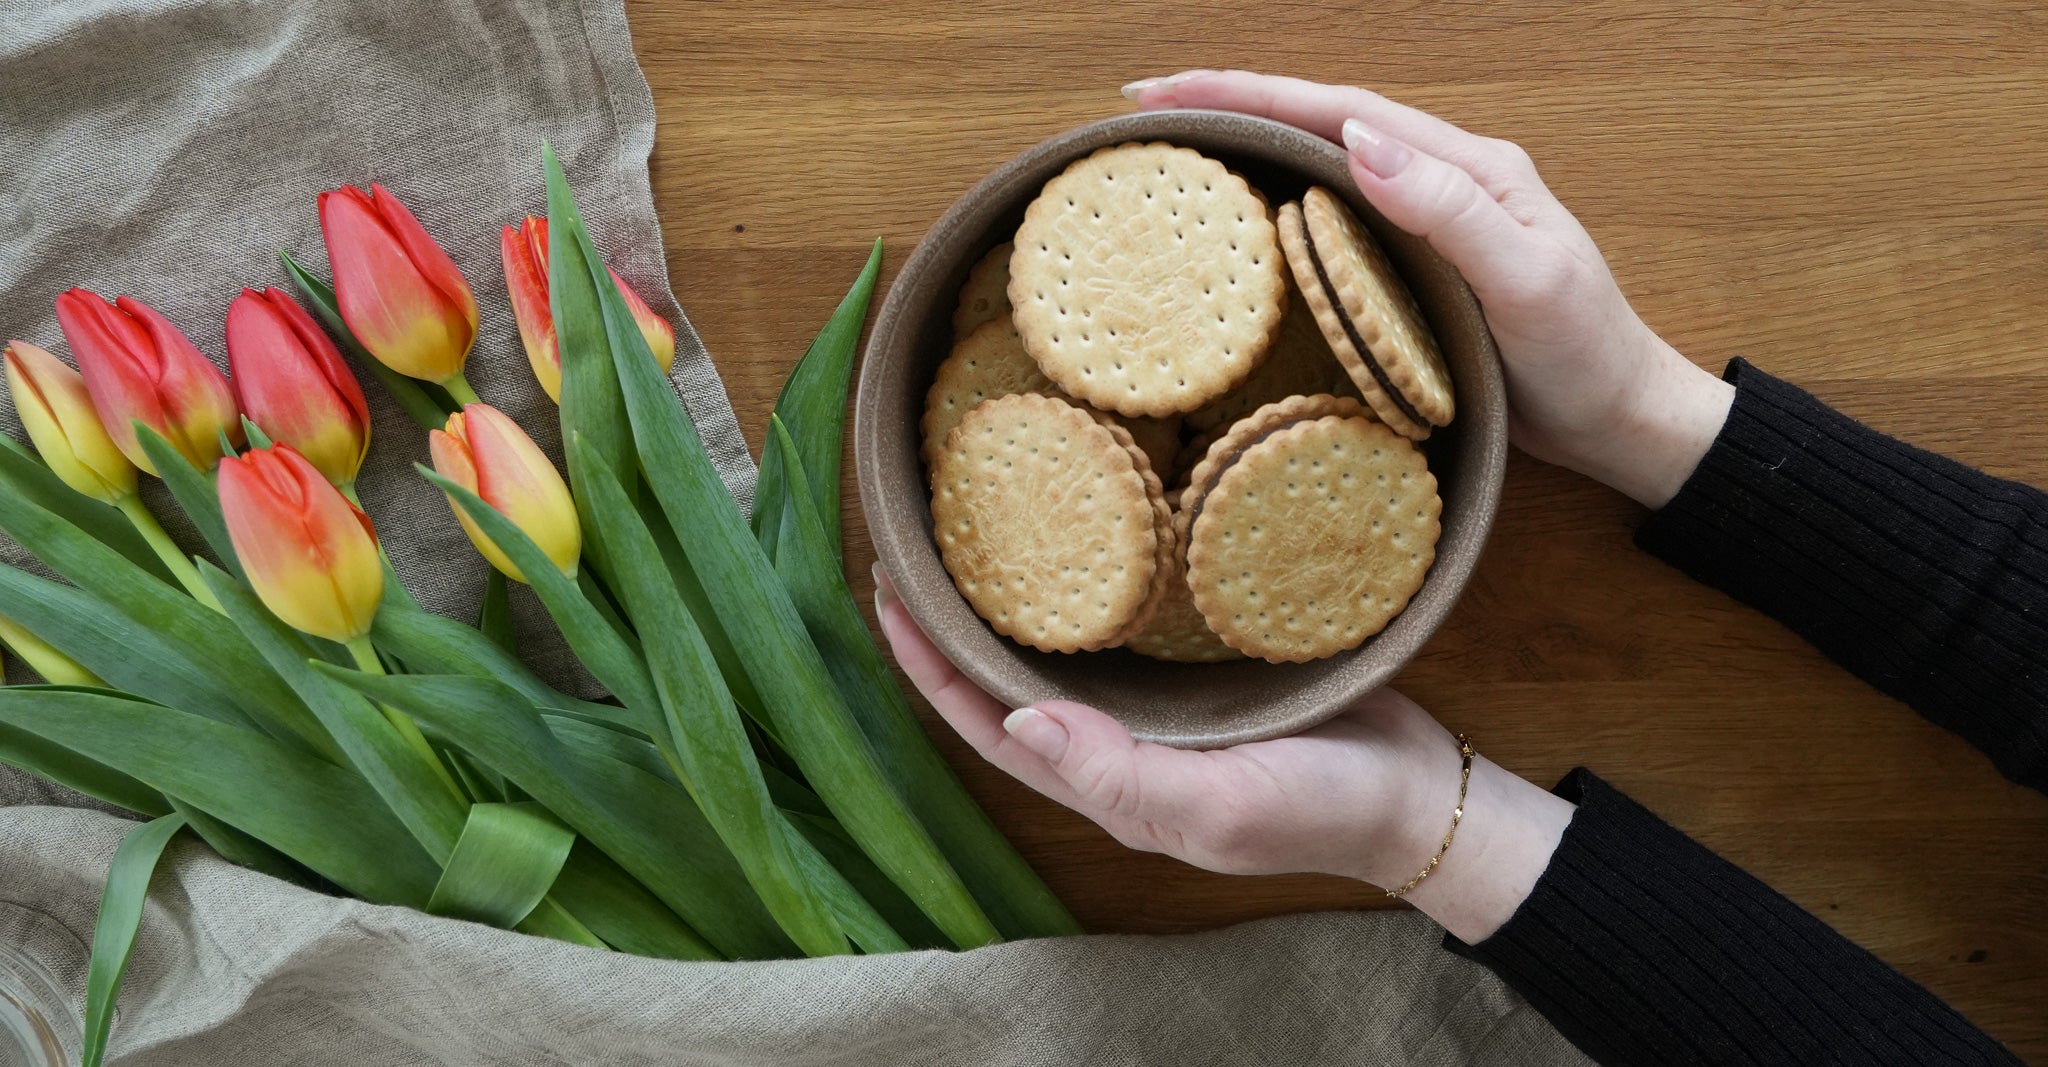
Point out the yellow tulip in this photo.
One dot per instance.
(58, 414)
(310, 554)
(487, 453)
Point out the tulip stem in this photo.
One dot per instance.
(360, 649)
(167, 550)
(458, 387)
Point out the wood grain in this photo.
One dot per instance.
(1854, 196)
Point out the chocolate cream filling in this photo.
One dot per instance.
(1365, 355)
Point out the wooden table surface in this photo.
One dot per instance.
(1854, 196)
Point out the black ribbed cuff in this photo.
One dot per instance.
(1925, 578)
(1642, 947)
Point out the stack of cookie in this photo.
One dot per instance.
(1172, 424)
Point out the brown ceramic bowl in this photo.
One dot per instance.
(1189, 705)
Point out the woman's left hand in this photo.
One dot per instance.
(1366, 795)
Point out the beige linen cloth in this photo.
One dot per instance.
(168, 149)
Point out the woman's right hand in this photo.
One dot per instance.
(1590, 386)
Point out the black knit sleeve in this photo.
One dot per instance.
(1642, 947)
(1925, 578)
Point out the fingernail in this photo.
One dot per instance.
(1375, 151)
(885, 593)
(1039, 732)
(1132, 90)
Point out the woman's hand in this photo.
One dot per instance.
(1590, 386)
(1367, 795)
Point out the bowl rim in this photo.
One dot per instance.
(890, 526)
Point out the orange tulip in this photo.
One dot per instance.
(525, 251)
(400, 294)
(310, 554)
(140, 368)
(488, 454)
(291, 382)
(57, 412)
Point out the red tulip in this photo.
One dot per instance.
(525, 251)
(290, 380)
(488, 454)
(139, 368)
(400, 294)
(310, 554)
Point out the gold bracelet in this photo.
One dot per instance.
(1457, 815)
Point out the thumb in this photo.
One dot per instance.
(1440, 202)
(1112, 775)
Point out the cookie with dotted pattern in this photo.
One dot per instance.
(1313, 538)
(1147, 279)
(989, 362)
(1367, 314)
(986, 294)
(1046, 523)
(1225, 445)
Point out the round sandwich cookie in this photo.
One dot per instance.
(1178, 633)
(1045, 521)
(989, 362)
(1166, 555)
(1300, 363)
(1366, 314)
(1147, 280)
(1227, 444)
(1313, 538)
(986, 295)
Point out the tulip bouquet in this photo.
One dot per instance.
(755, 786)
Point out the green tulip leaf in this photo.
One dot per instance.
(813, 406)
(402, 771)
(704, 737)
(433, 644)
(602, 648)
(200, 638)
(113, 933)
(125, 653)
(26, 473)
(503, 863)
(651, 828)
(847, 895)
(749, 601)
(195, 492)
(615, 907)
(26, 751)
(319, 814)
(1008, 889)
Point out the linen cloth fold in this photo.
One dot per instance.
(169, 149)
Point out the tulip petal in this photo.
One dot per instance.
(427, 255)
(517, 478)
(453, 461)
(526, 282)
(110, 348)
(309, 553)
(196, 402)
(405, 320)
(57, 412)
(290, 380)
(661, 337)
